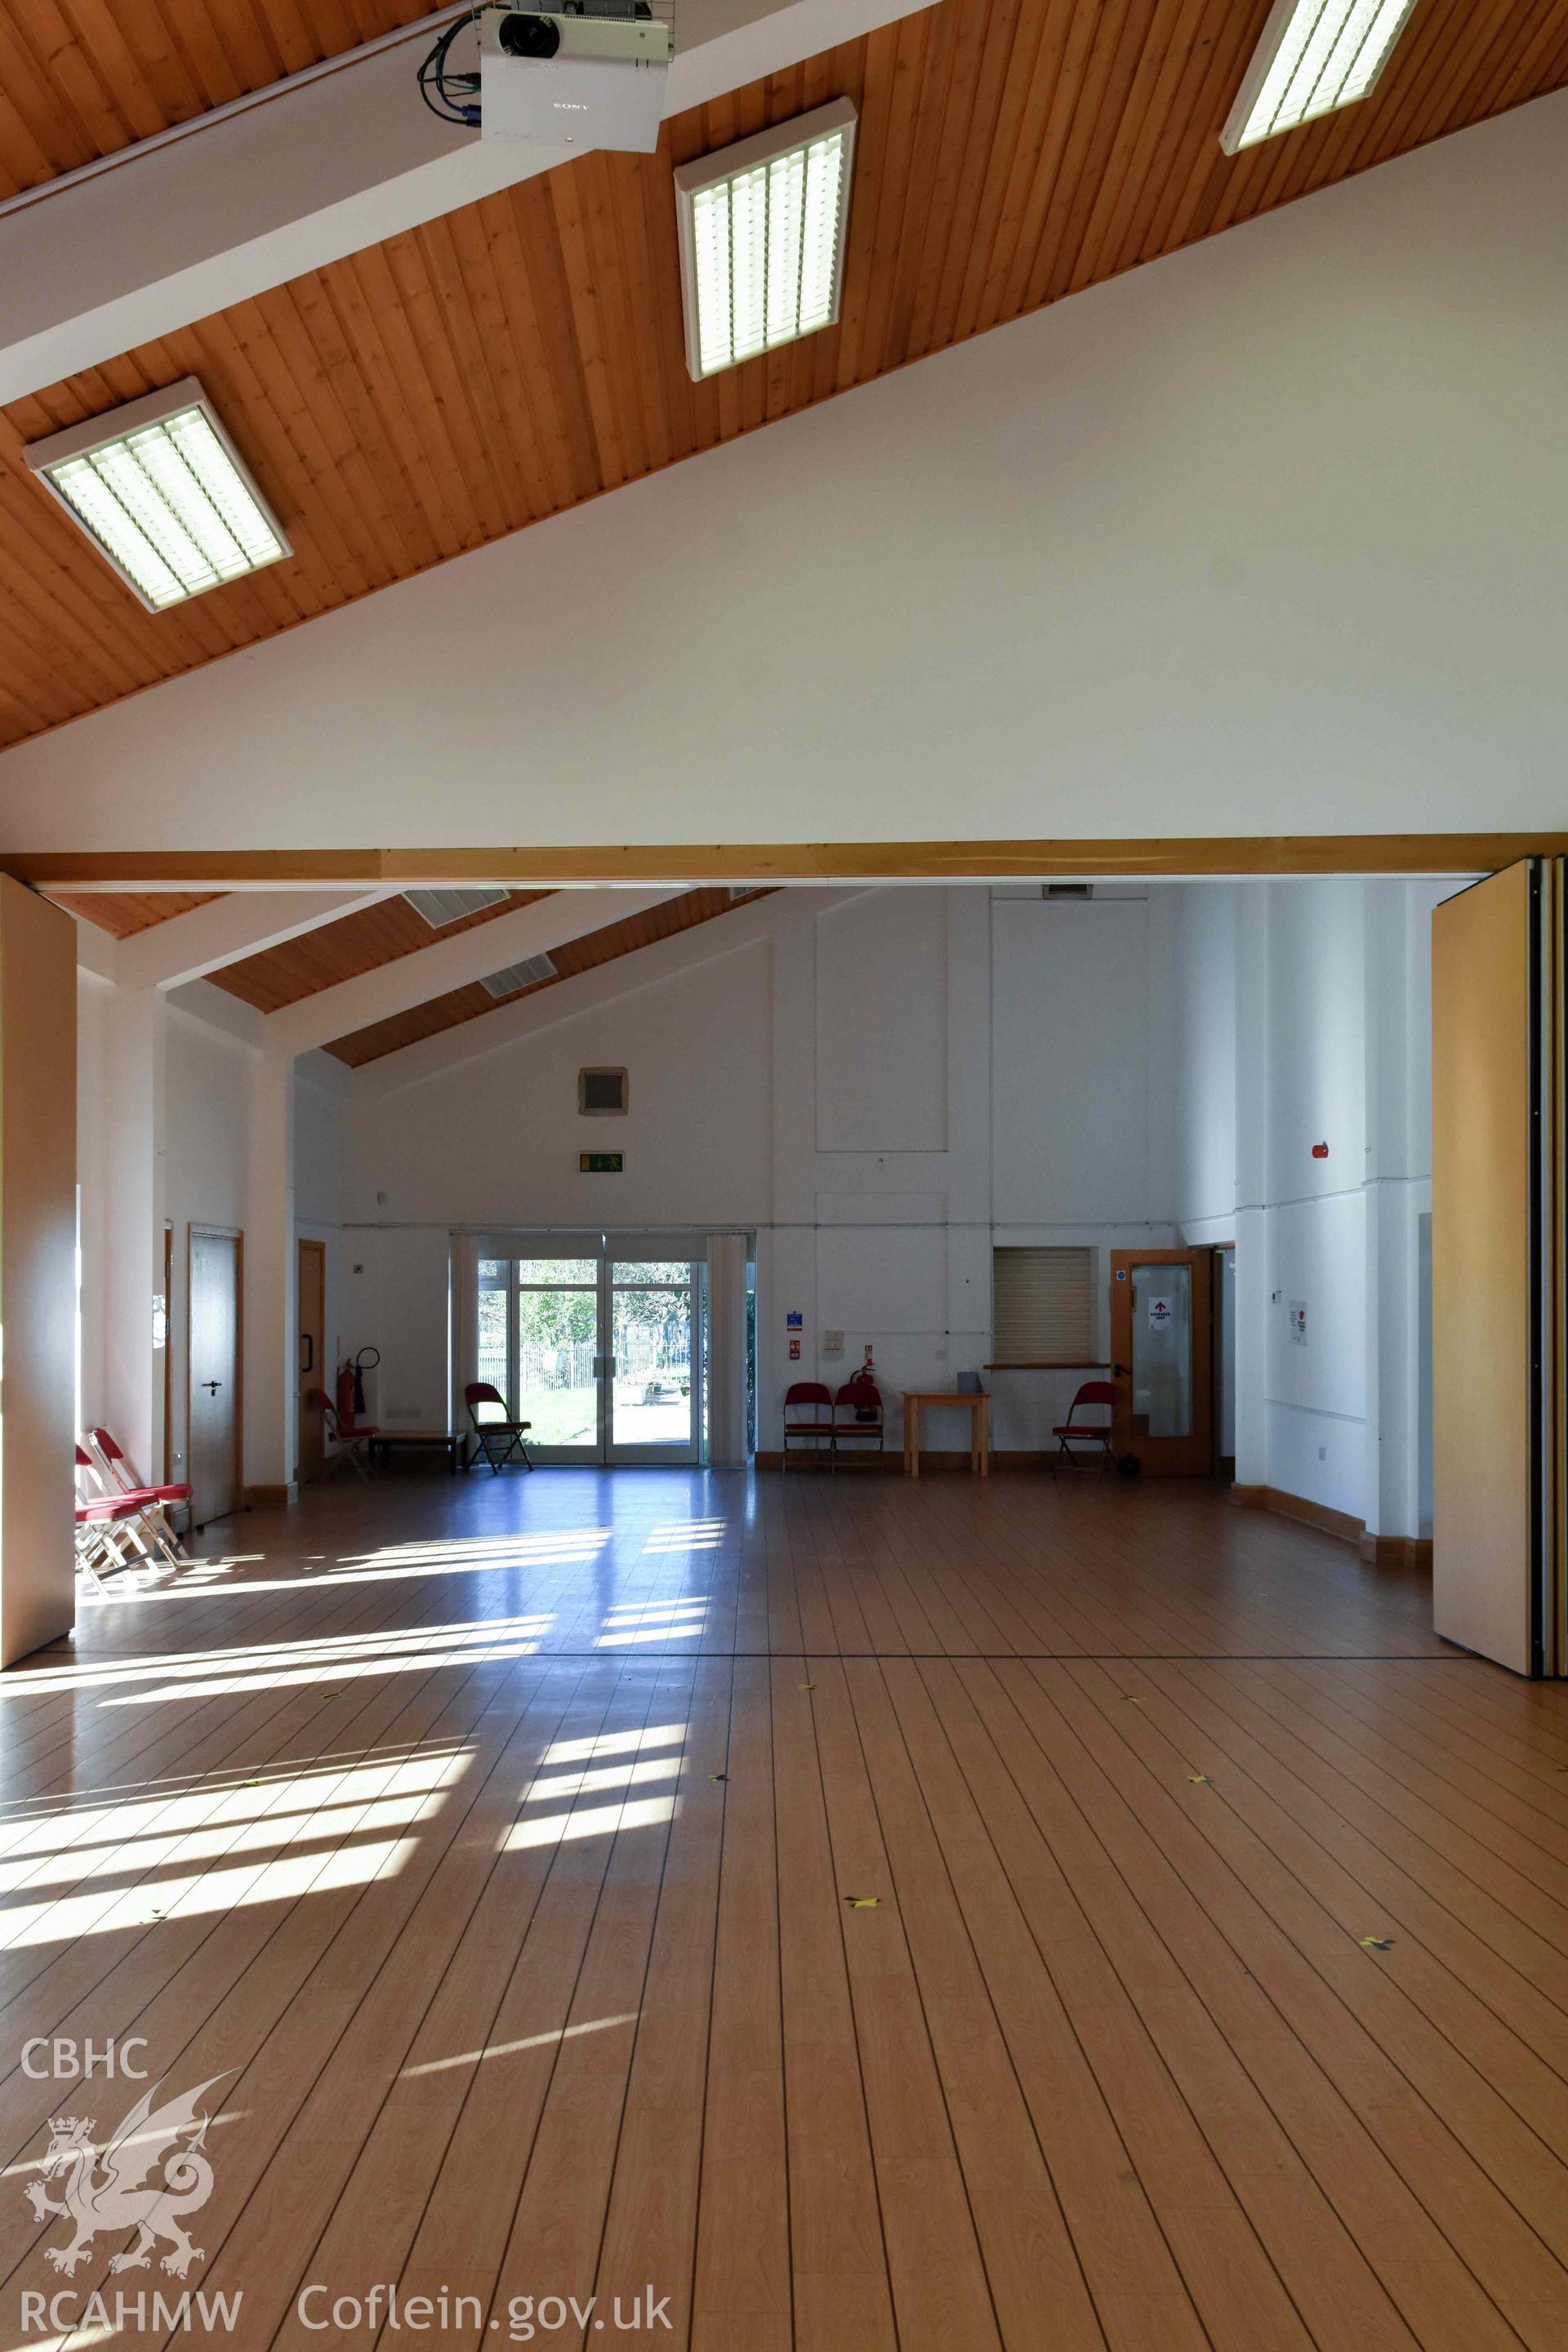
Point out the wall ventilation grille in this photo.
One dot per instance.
(526, 974)
(1069, 890)
(602, 1094)
(442, 907)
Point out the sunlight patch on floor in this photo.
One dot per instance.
(602, 1775)
(334, 1671)
(652, 1620)
(187, 1897)
(686, 1535)
(614, 1743)
(590, 1820)
(529, 2042)
(325, 1649)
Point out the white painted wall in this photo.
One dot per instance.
(93, 1146)
(878, 1084)
(1206, 955)
(1305, 1020)
(883, 1085)
(320, 1144)
(207, 1180)
(1264, 537)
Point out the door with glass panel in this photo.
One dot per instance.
(538, 1345)
(600, 1351)
(654, 1371)
(1162, 1339)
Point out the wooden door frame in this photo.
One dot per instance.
(235, 1234)
(1200, 1258)
(303, 1242)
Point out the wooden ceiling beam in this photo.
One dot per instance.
(141, 235)
(688, 864)
(201, 944)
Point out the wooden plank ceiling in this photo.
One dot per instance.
(81, 79)
(345, 950)
(524, 353)
(123, 913)
(462, 1004)
(382, 934)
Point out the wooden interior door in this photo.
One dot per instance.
(213, 1379)
(311, 1440)
(1162, 1341)
(1497, 1272)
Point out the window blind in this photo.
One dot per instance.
(1042, 1305)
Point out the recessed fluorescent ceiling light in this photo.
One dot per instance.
(526, 974)
(163, 494)
(442, 907)
(1314, 56)
(762, 238)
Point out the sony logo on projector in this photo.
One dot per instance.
(602, 63)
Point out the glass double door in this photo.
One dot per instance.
(602, 1353)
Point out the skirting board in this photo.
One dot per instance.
(1382, 1551)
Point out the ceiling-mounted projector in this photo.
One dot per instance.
(578, 73)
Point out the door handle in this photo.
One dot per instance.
(212, 1386)
(1122, 1372)
(306, 1339)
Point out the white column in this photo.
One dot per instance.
(1398, 1173)
(135, 1034)
(271, 1288)
(726, 1349)
(1252, 1321)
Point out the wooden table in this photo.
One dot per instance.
(450, 1440)
(978, 1405)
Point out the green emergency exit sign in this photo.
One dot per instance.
(601, 1164)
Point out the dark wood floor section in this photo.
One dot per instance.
(862, 1918)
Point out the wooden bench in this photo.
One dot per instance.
(451, 1440)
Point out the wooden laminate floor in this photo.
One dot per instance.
(830, 1914)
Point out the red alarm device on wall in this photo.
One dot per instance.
(1319, 1151)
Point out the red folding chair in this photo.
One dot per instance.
(108, 1535)
(1088, 1432)
(497, 1436)
(112, 1461)
(352, 1438)
(861, 1399)
(808, 1400)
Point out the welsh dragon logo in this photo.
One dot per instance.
(110, 2188)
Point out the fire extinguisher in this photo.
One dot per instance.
(351, 1384)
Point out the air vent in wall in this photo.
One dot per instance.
(442, 907)
(741, 890)
(601, 1094)
(519, 975)
(1067, 890)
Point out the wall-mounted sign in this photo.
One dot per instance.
(795, 1320)
(601, 1164)
(795, 1351)
(1298, 1322)
(1161, 1312)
